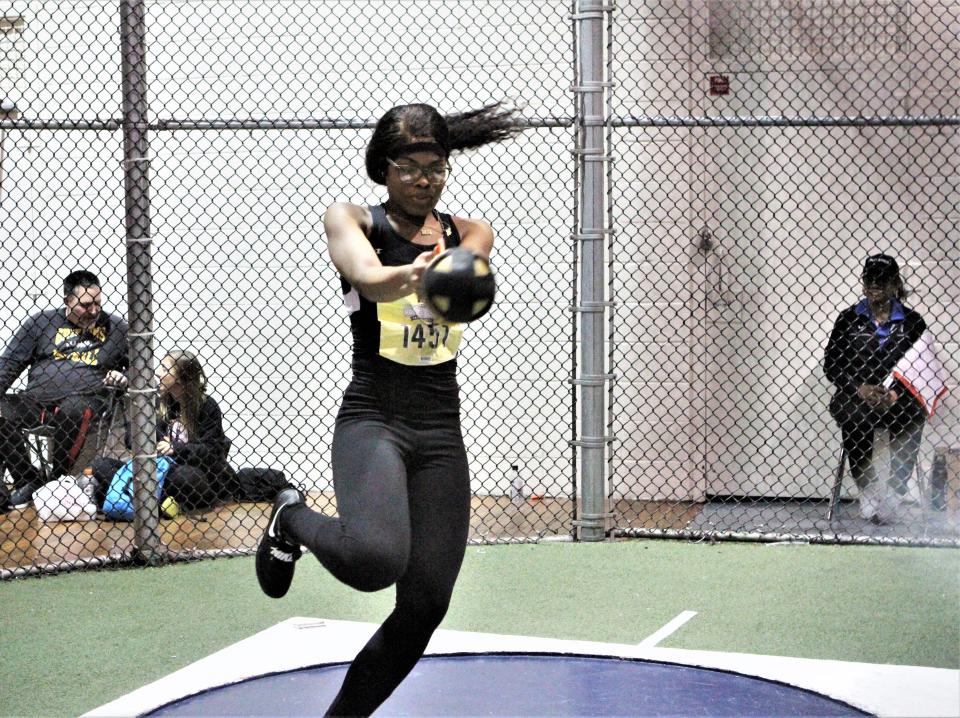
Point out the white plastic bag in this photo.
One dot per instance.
(63, 500)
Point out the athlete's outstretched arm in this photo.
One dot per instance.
(476, 235)
(357, 262)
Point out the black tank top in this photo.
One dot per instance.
(401, 342)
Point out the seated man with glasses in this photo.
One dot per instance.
(74, 355)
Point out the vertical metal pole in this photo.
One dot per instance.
(136, 180)
(3, 136)
(611, 269)
(575, 457)
(592, 231)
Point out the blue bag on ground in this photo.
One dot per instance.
(118, 503)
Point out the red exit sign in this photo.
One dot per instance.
(719, 85)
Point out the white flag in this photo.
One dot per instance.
(921, 373)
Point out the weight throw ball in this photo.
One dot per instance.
(458, 285)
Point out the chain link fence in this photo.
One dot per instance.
(764, 150)
(748, 156)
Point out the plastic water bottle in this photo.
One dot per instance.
(938, 481)
(87, 482)
(518, 487)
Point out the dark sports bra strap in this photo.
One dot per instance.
(448, 228)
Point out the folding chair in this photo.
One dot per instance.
(40, 438)
(837, 485)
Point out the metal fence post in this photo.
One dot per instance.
(591, 157)
(136, 167)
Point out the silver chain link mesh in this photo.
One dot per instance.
(757, 152)
(764, 150)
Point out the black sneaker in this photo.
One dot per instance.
(5, 504)
(22, 497)
(276, 557)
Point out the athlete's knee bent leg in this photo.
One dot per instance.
(371, 563)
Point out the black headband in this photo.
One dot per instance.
(416, 147)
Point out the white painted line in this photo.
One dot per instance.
(657, 636)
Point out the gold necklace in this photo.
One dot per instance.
(428, 231)
(423, 230)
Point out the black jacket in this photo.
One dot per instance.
(207, 450)
(855, 354)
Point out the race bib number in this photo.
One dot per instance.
(411, 335)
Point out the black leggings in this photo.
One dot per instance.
(403, 498)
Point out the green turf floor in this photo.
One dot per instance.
(75, 641)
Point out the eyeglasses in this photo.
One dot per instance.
(411, 172)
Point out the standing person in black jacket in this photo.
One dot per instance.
(399, 464)
(867, 341)
(190, 432)
(73, 354)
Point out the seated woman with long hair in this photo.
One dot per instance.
(189, 432)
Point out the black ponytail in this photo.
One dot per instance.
(400, 125)
(475, 128)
